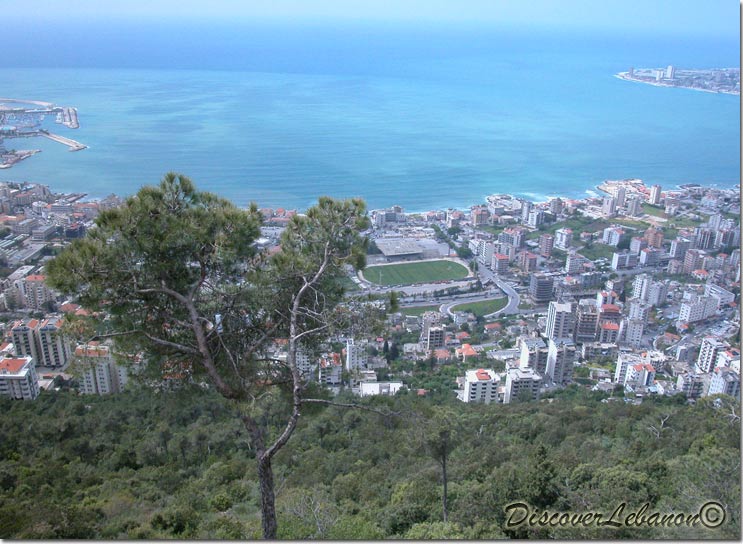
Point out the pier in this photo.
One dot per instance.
(69, 142)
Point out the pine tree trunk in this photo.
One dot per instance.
(268, 498)
(446, 508)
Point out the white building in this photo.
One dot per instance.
(560, 321)
(639, 310)
(560, 359)
(639, 375)
(625, 360)
(54, 348)
(367, 389)
(698, 309)
(631, 331)
(563, 238)
(18, 378)
(533, 353)
(99, 373)
(655, 192)
(521, 384)
(355, 355)
(709, 350)
(481, 386)
(723, 295)
(724, 381)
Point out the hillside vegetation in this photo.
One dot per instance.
(147, 464)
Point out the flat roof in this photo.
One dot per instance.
(391, 247)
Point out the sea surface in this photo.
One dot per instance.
(425, 117)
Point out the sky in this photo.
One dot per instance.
(719, 18)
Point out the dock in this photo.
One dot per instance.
(72, 144)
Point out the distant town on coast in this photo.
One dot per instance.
(713, 80)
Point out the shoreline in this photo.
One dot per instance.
(624, 76)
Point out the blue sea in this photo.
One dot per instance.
(422, 116)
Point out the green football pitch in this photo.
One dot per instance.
(418, 272)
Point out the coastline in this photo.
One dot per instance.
(624, 76)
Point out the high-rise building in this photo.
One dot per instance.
(37, 293)
(560, 321)
(546, 243)
(436, 338)
(710, 348)
(621, 196)
(609, 206)
(556, 206)
(655, 192)
(522, 384)
(481, 386)
(533, 353)
(560, 359)
(540, 287)
(725, 381)
(563, 238)
(639, 310)
(25, 339)
(587, 319)
(355, 355)
(654, 237)
(99, 372)
(54, 348)
(679, 247)
(634, 206)
(693, 260)
(670, 72)
(18, 378)
(630, 332)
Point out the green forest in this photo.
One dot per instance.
(149, 464)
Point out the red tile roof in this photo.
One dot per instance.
(12, 365)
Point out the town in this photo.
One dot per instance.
(633, 294)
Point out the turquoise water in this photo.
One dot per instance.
(425, 120)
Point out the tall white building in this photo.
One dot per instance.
(724, 381)
(18, 378)
(698, 309)
(560, 321)
(355, 355)
(521, 384)
(639, 310)
(655, 191)
(99, 373)
(481, 385)
(563, 238)
(560, 359)
(709, 350)
(533, 353)
(630, 332)
(54, 348)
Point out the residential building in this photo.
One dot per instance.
(546, 243)
(609, 206)
(533, 353)
(367, 389)
(98, 370)
(725, 381)
(560, 321)
(637, 244)
(639, 375)
(709, 350)
(698, 308)
(356, 355)
(522, 384)
(655, 192)
(499, 263)
(575, 262)
(54, 348)
(563, 238)
(612, 236)
(608, 333)
(654, 237)
(330, 369)
(527, 261)
(18, 378)
(679, 247)
(693, 260)
(481, 386)
(586, 320)
(37, 293)
(436, 338)
(693, 385)
(25, 339)
(540, 287)
(625, 360)
(631, 331)
(650, 256)
(623, 260)
(560, 359)
(639, 310)
(634, 206)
